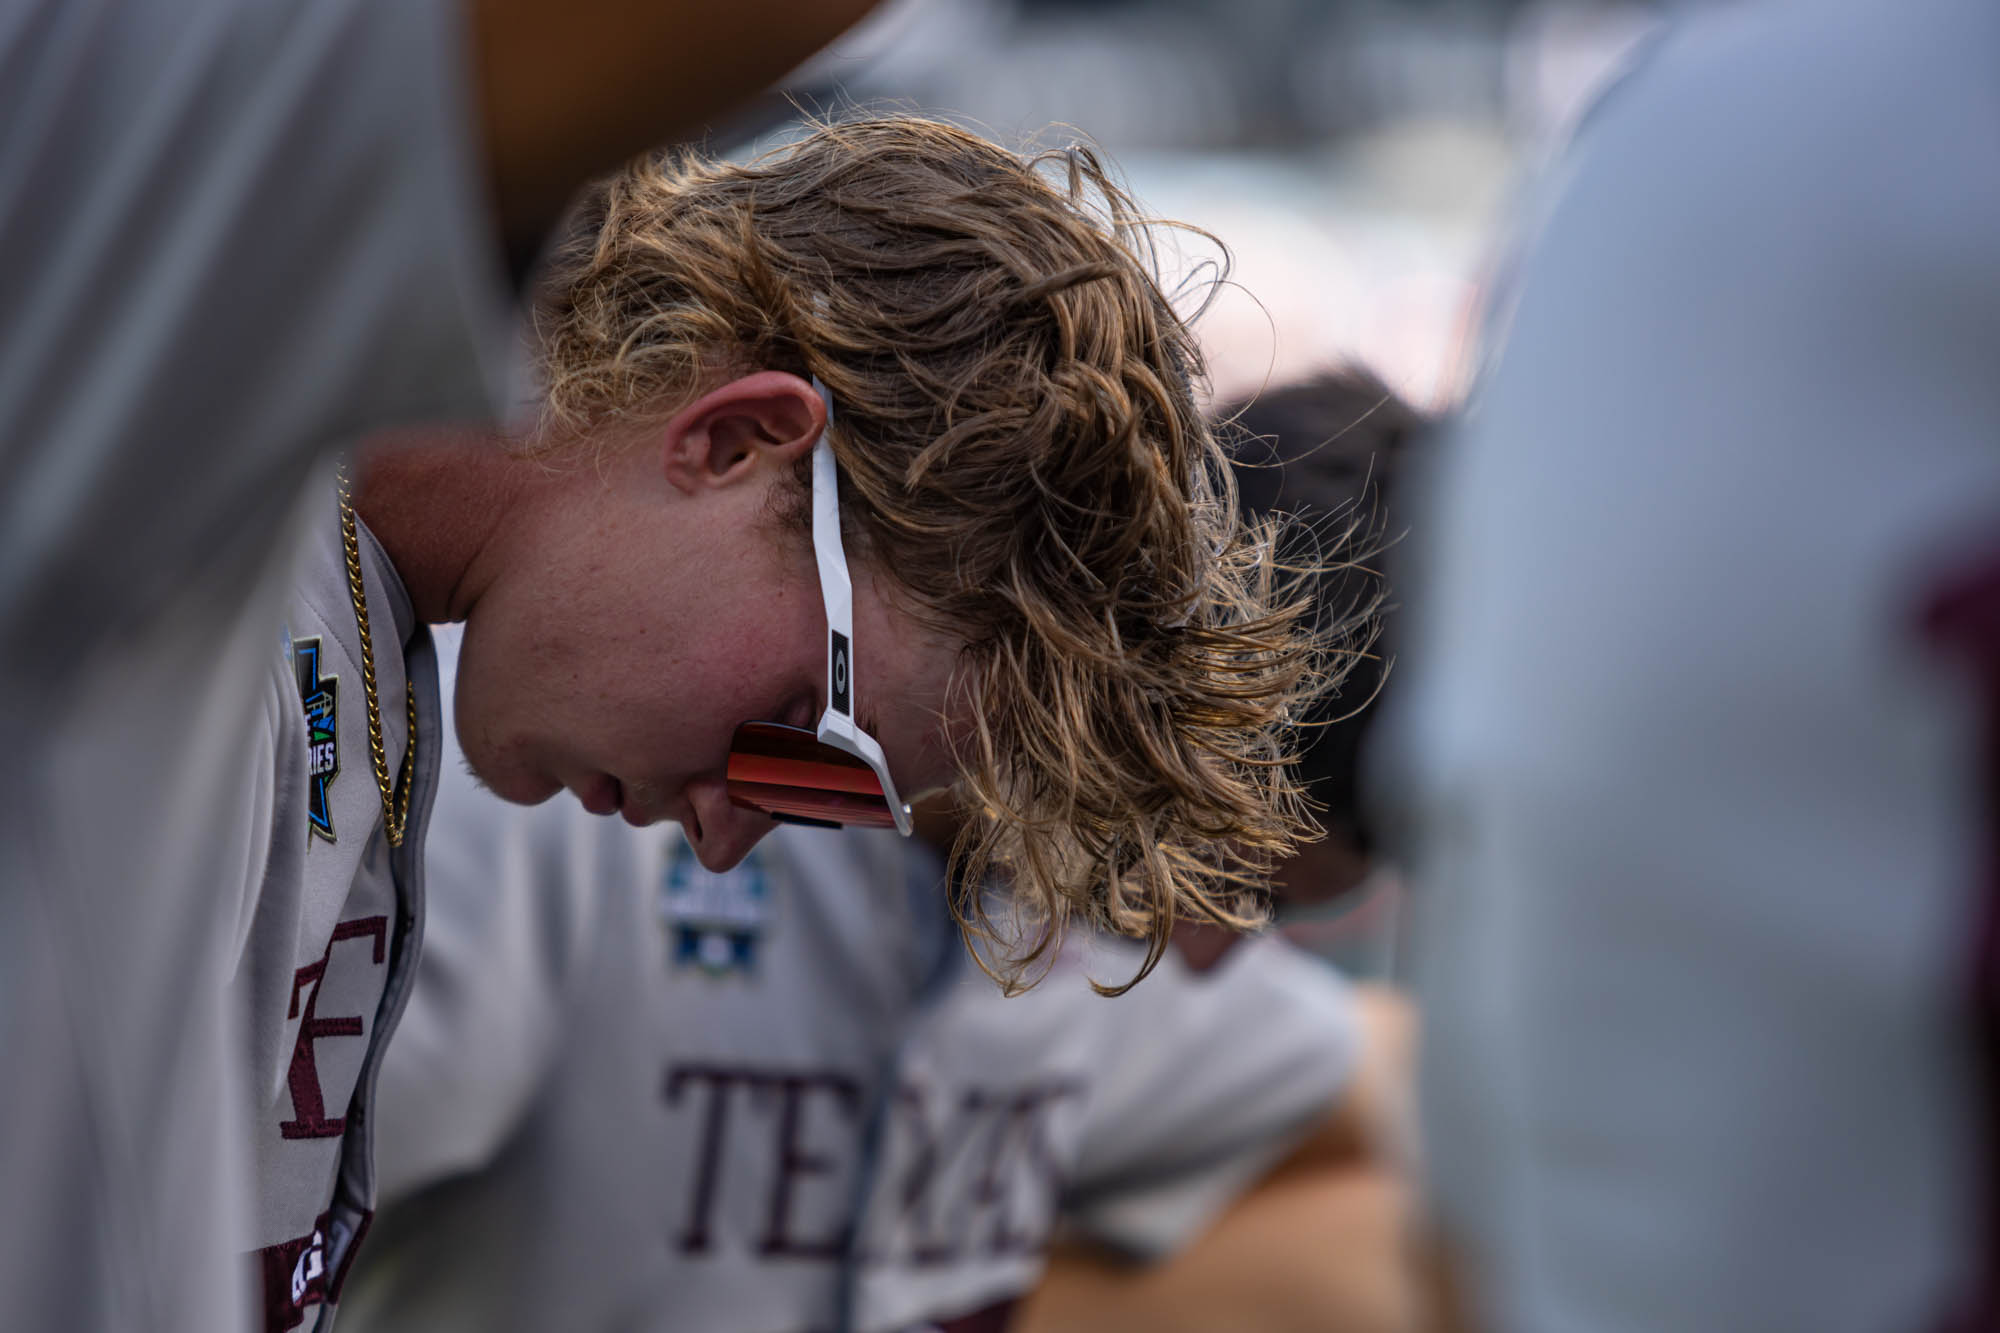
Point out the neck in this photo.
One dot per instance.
(437, 501)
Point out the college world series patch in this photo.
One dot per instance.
(321, 697)
(714, 921)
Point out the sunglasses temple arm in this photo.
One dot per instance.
(834, 585)
(837, 724)
(865, 747)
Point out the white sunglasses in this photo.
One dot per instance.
(834, 775)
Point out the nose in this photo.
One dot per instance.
(722, 833)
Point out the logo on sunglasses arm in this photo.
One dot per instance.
(841, 676)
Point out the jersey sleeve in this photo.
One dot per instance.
(1208, 1080)
(238, 234)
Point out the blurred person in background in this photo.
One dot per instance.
(633, 1092)
(1331, 449)
(234, 236)
(1700, 743)
(891, 338)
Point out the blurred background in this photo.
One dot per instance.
(1353, 154)
(1355, 157)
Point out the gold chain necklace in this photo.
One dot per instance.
(396, 798)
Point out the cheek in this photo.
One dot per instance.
(526, 658)
(602, 646)
(681, 689)
(640, 656)
(748, 662)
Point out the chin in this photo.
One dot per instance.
(529, 793)
(519, 786)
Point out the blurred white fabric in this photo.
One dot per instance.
(1696, 802)
(235, 235)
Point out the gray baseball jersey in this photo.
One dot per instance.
(235, 234)
(632, 1094)
(1699, 794)
(329, 945)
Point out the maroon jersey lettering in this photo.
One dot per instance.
(310, 1120)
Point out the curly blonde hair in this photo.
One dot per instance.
(1020, 446)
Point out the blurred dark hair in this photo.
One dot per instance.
(1328, 451)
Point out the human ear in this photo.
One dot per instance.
(734, 432)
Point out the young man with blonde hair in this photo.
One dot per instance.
(868, 468)
(1055, 605)
(631, 1092)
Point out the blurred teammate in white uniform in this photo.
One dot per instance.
(631, 1093)
(232, 236)
(1700, 734)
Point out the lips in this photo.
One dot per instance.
(602, 795)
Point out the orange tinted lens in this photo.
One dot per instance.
(788, 773)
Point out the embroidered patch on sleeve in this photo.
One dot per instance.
(321, 697)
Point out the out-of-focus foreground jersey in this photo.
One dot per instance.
(631, 1094)
(328, 953)
(1696, 748)
(232, 235)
